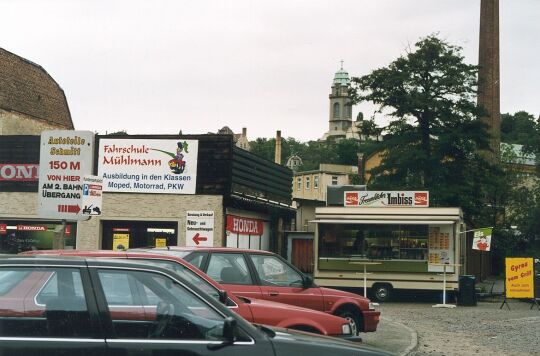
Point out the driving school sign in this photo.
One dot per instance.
(414, 199)
(519, 277)
(148, 166)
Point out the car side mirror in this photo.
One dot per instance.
(308, 282)
(230, 330)
(223, 296)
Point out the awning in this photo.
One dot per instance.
(380, 222)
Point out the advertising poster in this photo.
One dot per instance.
(120, 241)
(92, 195)
(161, 242)
(148, 166)
(200, 228)
(65, 158)
(482, 239)
(377, 199)
(440, 248)
(519, 277)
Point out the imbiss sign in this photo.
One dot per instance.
(66, 156)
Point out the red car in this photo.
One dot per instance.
(253, 310)
(265, 275)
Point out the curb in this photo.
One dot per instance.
(413, 335)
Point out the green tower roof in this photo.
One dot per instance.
(341, 76)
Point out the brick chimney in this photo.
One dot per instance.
(488, 74)
(277, 157)
(244, 131)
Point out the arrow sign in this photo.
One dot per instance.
(62, 208)
(197, 238)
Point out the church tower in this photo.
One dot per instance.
(340, 113)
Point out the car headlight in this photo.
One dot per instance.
(346, 329)
(372, 305)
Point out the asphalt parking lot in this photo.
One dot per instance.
(408, 328)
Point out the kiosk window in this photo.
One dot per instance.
(374, 241)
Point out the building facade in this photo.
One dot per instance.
(237, 199)
(309, 190)
(30, 99)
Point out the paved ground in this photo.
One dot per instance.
(416, 328)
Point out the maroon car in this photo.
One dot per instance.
(265, 275)
(251, 309)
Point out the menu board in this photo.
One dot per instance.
(441, 248)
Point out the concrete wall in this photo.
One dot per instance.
(18, 205)
(116, 206)
(151, 207)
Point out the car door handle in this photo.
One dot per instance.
(273, 293)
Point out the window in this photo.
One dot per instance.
(299, 183)
(43, 301)
(187, 274)
(307, 183)
(316, 182)
(334, 180)
(273, 271)
(374, 241)
(195, 258)
(163, 309)
(336, 110)
(229, 268)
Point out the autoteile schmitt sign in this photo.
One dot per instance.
(66, 156)
(376, 199)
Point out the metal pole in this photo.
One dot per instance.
(365, 281)
(444, 286)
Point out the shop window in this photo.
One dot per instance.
(121, 235)
(19, 236)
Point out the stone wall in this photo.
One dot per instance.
(14, 123)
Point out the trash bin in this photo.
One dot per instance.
(467, 291)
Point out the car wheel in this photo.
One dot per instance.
(354, 319)
(381, 292)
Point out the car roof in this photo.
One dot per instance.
(195, 248)
(130, 255)
(57, 260)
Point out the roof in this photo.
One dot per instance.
(27, 88)
(516, 154)
(341, 77)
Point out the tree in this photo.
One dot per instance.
(519, 128)
(434, 137)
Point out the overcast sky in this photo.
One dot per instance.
(157, 67)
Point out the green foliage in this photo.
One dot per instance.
(312, 153)
(519, 128)
(434, 135)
